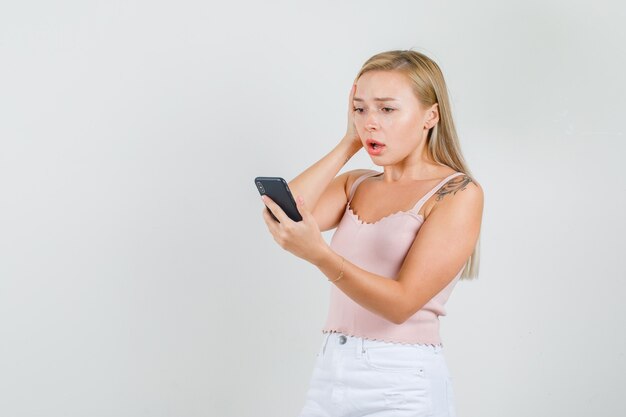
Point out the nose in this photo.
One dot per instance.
(371, 123)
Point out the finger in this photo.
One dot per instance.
(302, 208)
(265, 214)
(269, 221)
(350, 100)
(275, 209)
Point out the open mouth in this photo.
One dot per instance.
(374, 148)
(375, 145)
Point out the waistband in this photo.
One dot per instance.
(337, 340)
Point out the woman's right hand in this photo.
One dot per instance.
(352, 136)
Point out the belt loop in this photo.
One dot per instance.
(360, 346)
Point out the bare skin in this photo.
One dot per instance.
(374, 200)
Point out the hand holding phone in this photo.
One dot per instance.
(277, 189)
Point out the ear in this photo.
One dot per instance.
(433, 115)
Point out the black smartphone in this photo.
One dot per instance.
(277, 189)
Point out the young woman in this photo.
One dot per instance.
(404, 237)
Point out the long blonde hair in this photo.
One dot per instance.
(442, 142)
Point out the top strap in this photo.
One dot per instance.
(423, 200)
(360, 180)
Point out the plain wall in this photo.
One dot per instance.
(137, 277)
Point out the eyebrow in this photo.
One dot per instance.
(376, 99)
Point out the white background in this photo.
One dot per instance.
(137, 277)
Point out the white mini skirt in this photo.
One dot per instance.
(357, 377)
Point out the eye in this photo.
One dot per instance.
(388, 108)
(358, 109)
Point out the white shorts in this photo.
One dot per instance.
(356, 377)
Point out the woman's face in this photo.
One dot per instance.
(387, 111)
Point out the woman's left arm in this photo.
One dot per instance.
(440, 249)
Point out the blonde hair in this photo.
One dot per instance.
(442, 142)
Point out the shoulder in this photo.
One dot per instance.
(464, 182)
(461, 193)
(353, 175)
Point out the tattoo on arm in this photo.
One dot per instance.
(452, 186)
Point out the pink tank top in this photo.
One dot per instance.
(380, 248)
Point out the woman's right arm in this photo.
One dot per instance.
(319, 179)
(318, 184)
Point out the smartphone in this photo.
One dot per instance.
(277, 189)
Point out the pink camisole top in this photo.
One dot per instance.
(380, 248)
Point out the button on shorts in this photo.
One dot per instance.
(357, 377)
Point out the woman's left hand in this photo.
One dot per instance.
(302, 238)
